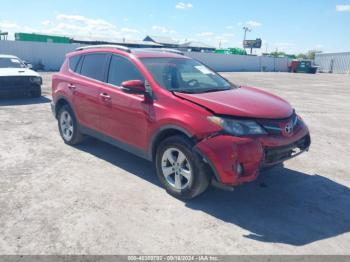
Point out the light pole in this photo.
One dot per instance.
(246, 29)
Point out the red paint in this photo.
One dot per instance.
(243, 102)
(135, 119)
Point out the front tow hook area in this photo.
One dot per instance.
(221, 186)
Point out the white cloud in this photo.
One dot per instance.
(12, 28)
(161, 29)
(250, 24)
(8, 25)
(253, 24)
(76, 26)
(46, 22)
(319, 47)
(129, 30)
(283, 47)
(228, 35)
(343, 8)
(182, 5)
(81, 21)
(205, 34)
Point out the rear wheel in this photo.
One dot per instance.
(68, 126)
(180, 169)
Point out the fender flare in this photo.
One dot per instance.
(161, 130)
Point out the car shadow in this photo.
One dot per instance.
(22, 101)
(120, 158)
(282, 206)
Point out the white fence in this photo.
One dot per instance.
(51, 55)
(333, 63)
(241, 63)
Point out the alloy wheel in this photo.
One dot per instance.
(66, 124)
(176, 169)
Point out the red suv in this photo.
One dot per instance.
(197, 127)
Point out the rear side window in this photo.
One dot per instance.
(73, 62)
(121, 69)
(94, 66)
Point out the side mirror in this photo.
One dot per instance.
(134, 87)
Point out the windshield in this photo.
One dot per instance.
(185, 75)
(10, 63)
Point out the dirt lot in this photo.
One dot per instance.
(97, 199)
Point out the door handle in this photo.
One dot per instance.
(105, 97)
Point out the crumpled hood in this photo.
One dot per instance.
(17, 72)
(243, 102)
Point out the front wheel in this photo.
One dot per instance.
(180, 170)
(68, 126)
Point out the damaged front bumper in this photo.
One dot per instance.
(238, 160)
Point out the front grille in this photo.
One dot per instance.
(276, 127)
(274, 155)
(14, 81)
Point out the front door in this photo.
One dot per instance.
(124, 117)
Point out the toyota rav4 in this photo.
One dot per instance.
(196, 126)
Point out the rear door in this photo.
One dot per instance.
(86, 87)
(124, 116)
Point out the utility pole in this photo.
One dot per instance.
(246, 29)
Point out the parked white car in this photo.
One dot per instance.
(16, 79)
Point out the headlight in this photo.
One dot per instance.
(238, 127)
(36, 80)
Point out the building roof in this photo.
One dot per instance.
(197, 45)
(161, 40)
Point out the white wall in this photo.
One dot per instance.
(241, 63)
(338, 63)
(52, 56)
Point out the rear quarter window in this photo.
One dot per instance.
(73, 62)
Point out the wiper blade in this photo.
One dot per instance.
(183, 91)
(198, 91)
(212, 90)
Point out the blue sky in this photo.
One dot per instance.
(291, 26)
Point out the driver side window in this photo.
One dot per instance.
(121, 69)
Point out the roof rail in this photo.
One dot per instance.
(164, 50)
(118, 47)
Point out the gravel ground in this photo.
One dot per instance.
(97, 199)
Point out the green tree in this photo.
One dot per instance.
(312, 53)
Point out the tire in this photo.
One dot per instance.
(68, 126)
(185, 179)
(36, 93)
